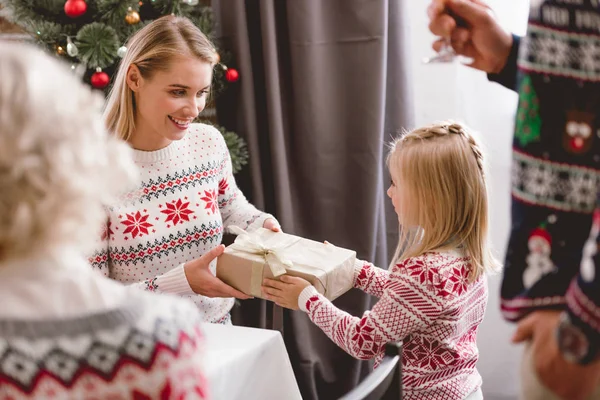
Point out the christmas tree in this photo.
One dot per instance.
(91, 36)
(529, 122)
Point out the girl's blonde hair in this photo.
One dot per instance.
(58, 165)
(441, 170)
(152, 49)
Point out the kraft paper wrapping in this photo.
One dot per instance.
(266, 254)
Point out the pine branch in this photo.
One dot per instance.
(18, 11)
(98, 44)
(113, 12)
(237, 149)
(166, 7)
(46, 32)
(33, 8)
(125, 31)
(177, 7)
(204, 20)
(49, 9)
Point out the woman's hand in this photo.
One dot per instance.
(203, 282)
(272, 224)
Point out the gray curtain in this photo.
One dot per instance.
(324, 85)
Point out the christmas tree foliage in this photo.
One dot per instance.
(529, 122)
(91, 36)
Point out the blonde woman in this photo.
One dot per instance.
(434, 295)
(65, 330)
(188, 194)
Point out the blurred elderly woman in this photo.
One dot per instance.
(65, 330)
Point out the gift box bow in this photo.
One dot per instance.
(273, 252)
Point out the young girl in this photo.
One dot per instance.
(433, 298)
(188, 194)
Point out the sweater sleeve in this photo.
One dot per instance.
(235, 208)
(402, 309)
(173, 282)
(508, 76)
(369, 278)
(100, 254)
(583, 295)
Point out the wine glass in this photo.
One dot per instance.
(445, 55)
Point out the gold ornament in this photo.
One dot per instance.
(60, 51)
(132, 17)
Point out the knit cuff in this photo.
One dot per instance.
(508, 76)
(584, 315)
(305, 295)
(259, 222)
(358, 267)
(174, 282)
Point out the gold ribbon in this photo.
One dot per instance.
(272, 252)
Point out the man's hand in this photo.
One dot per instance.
(569, 381)
(478, 35)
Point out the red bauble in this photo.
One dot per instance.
(99, 80)
(75, 8)
(232, 75)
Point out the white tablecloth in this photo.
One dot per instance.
(247, 364)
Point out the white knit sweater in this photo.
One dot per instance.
(188, 195)
(66, 332)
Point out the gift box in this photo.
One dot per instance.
(266, 254)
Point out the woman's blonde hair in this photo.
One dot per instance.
(152, 49)
(441, 170)
(58, 165)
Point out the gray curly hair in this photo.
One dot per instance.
(58, 165)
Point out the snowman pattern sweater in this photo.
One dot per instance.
(552, 258)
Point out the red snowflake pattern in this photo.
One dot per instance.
(223, 185)
(424, 274)
(456, 283)
(210, 198)
(137, 224)
(362, 277)
(107, 232)
(364, 339)
(177, 211)
(429, 353)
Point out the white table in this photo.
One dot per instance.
(247, 364)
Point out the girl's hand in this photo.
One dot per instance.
(284, 293)
(272, 224)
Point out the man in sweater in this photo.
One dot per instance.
(551, 279)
